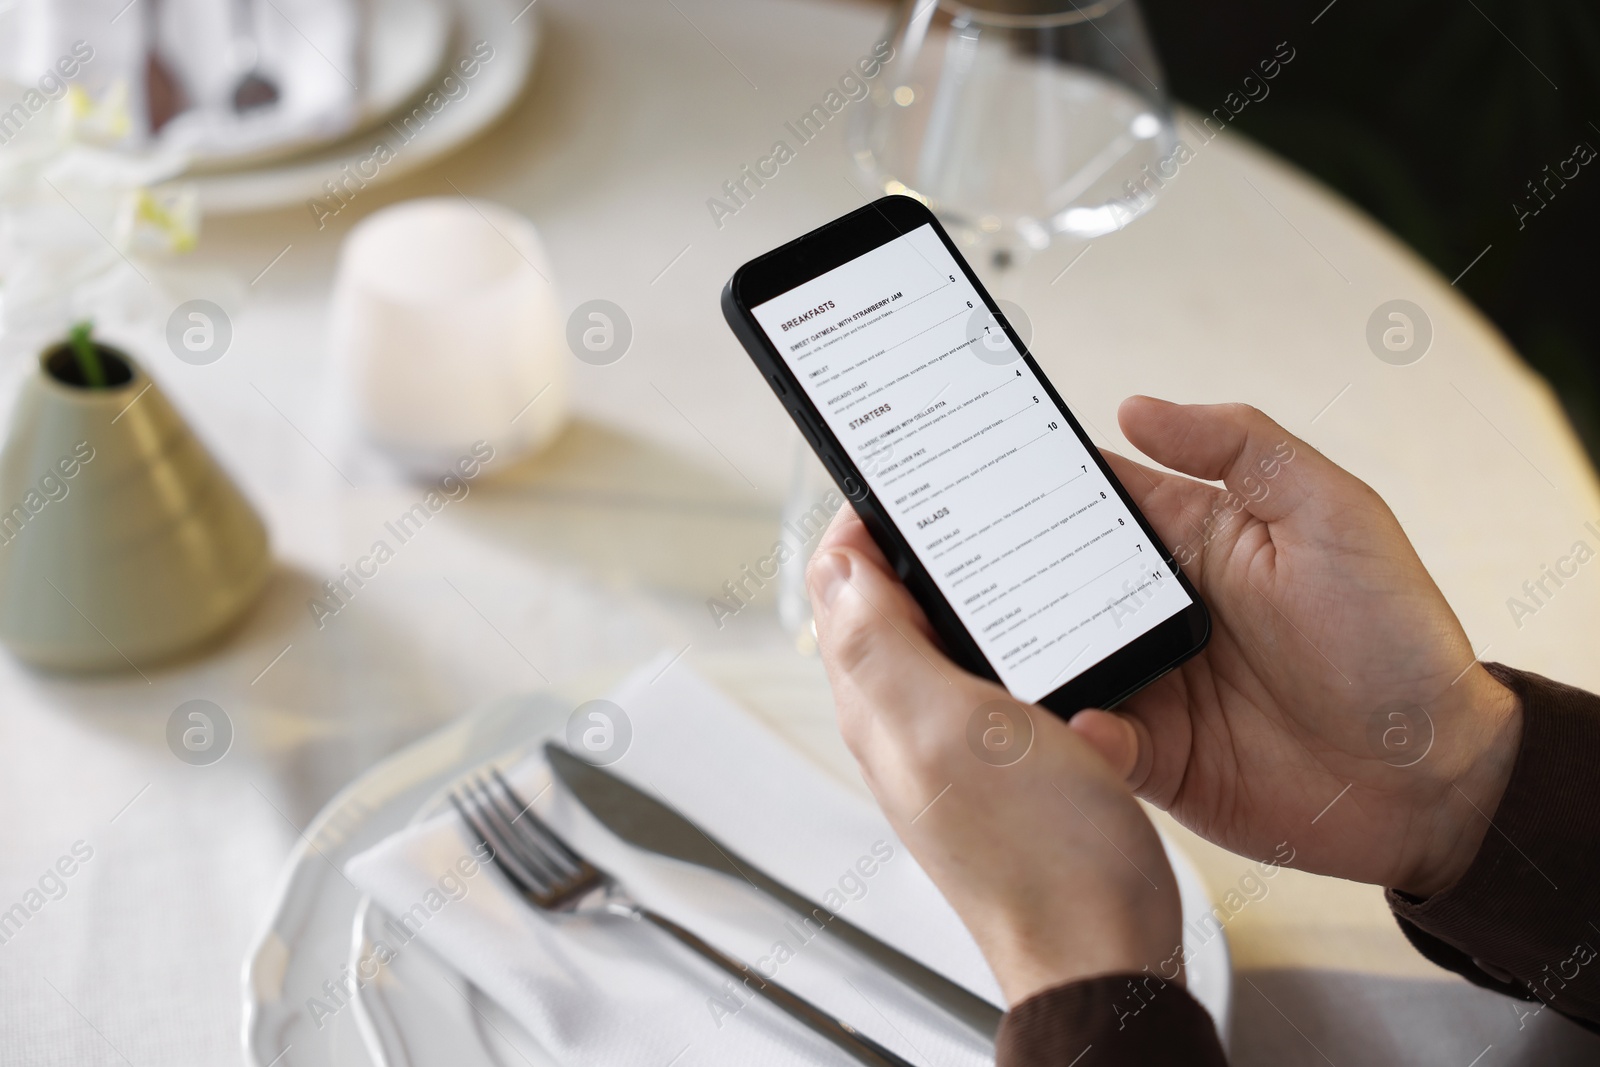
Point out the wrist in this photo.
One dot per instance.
(1479, 731)
(1117, 940)
(1025, 975)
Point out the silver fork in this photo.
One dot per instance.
(554, 878)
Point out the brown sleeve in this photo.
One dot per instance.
(1523, 919)
(1118, 1020)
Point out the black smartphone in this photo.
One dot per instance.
(1031, 560)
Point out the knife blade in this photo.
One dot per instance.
(642, 820)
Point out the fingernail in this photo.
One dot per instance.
(829, 573)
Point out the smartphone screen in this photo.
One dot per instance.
(953, 432)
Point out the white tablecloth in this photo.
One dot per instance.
(1248, 283)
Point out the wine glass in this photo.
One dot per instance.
(1019, 122)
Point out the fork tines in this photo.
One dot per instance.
(531, 854)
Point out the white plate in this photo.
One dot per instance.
(420, 1010)
(405, 45)
(497, 83)
(403, 49)
(307, 933)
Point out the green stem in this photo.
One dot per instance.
(88, 356)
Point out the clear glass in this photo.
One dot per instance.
(1019, 121)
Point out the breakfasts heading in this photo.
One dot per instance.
(826, 305)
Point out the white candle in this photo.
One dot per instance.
(447, 330)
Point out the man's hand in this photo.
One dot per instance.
(1035, 841)
(1338, 709)
(1336, 674)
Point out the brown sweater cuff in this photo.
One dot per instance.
(1524, 914)
(1115, 1020)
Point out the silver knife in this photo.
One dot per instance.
(642, 820)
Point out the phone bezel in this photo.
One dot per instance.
(1106, 683)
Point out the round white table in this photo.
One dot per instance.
(1248, 282)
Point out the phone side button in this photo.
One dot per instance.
(802, 420)
(777, 383)
(847, 481)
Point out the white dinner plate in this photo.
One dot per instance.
(403, 49)
(420, 1010)
(495, 86)
(305, 942)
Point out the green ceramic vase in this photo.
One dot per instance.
(123, 543)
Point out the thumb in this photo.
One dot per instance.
(1123, 742)
(1274, 471)
(871, 633)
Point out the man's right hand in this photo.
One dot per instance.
(1300, 721)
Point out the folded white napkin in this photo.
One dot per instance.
(610, 991)
(309, 48)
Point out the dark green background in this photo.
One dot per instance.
(1424, 114)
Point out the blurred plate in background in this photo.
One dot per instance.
(413, 136)
(402, 51)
